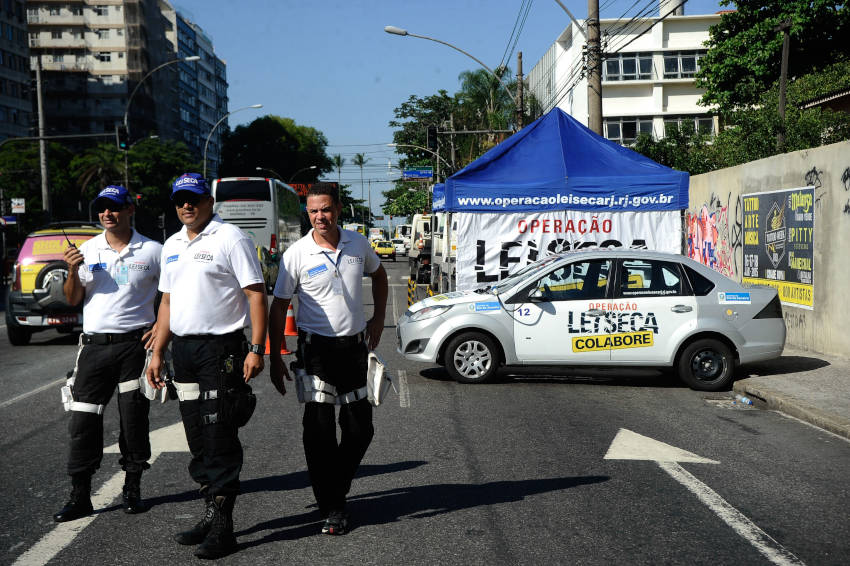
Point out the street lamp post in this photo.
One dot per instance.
(217, 124)
(133, 94)
(276, 174)
(300, 171)
(403, 32)
(434, 153)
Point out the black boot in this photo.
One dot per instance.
(132, 494)
(79, 504)
(220, 540)
(198, 533)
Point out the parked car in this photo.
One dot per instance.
(384, 249)
(36, 300)
(400, 246)
(600, 308)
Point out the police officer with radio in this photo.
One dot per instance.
(212, 287)
(116, 275)
(326, 269)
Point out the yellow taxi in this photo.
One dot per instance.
(385, 249)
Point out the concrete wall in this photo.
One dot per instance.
(825, 328)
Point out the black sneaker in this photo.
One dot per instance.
(336, 523)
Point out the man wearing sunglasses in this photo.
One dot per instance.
(116, 273)
(212, 287)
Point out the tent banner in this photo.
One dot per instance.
(492, 246)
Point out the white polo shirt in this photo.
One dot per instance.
(120, 286)
(326, 307)
(205, 278)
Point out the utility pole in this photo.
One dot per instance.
(452, 139)
(42, 143)
(785, 28)
(594, 69)
(519, 102)
(370, 201)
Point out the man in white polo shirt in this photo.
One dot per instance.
(212, 287)
(326, 269)
(116, 273)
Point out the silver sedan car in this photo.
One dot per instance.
(608, 307)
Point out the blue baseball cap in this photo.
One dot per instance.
(115, 193)
(192, 182)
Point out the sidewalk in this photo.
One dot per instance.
(812, 387)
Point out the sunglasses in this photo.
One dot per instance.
(186, 197)
(101, 206)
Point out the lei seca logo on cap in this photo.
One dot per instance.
(109, 191)
(186, 181)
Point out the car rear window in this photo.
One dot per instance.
(702, 286)
(48, 248)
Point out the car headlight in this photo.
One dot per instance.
(428, 312)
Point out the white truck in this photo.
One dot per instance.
(420, 244)
(377, 234)
(443, 252)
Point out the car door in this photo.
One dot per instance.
(653, 305)
(557, 321)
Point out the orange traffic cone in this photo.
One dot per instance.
(291, 329)
(283, 349)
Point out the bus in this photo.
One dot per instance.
(268, 210)
(355, 227)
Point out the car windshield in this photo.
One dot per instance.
(527, 271)
(398, 241)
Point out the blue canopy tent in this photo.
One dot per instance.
(438, 198)
(556, 163)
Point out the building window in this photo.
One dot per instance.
(625, 130)
(58, 58)
(56, 35)
(76, 10)
(102, 33)
(54, 10)
(100, 10)
(703, 124)
(628, 67)
(682, 64)
(104, 56)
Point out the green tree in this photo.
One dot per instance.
(97, 167)
(745, 53)
(360, 160)
(407, 198)
(338, 161)
(276, 143)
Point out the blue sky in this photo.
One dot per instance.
(330, 65)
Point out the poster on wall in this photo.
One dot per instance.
(491, 246)
(777, 232)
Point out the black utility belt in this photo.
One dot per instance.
(230, 336)
(353, 340)
(104, 339)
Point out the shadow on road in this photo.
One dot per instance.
(781, 366)
(633, 377)
(416, 502)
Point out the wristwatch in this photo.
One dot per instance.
(257, 349)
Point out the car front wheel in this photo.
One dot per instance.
(472, 357)
(706, 365)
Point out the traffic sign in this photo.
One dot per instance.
(418, 173)
(19, 206)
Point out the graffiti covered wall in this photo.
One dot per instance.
(715, 223)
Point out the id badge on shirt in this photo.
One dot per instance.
(122, 274)
(336, 283)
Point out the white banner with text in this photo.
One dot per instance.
(491, 246)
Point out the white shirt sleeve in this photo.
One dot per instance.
(371, 261)
(83, 273)
(246, 266)
(287, 276)
(164, 282)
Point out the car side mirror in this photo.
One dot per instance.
(536, 296)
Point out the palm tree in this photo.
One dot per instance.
(360, 160)
(100, 165)
(338, 161)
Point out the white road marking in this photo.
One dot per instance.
(628, 445)
(167, 439)
(23, 396)
(395, 309)
(403, 389)
(764, 543)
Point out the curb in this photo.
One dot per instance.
(794, 407)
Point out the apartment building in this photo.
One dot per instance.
(202, 93)
(93, 56)
(15, 106)
(648, 74)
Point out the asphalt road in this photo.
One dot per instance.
(509, 473)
